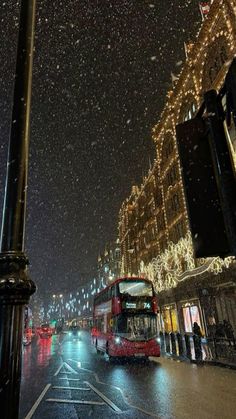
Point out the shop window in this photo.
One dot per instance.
(191, 314)
(170, 320)
(167, 321)
(174, 320)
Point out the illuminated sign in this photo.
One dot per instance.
(130, 305)
(137, 305)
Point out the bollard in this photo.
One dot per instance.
(188, 347)
(167, 341)
(215, 349)
(180, 344)
(162, 340)
(197, 347)
(173, 343)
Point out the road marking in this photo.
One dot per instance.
(34, 407)
(71, 388)
(70, 368)
(66, 366)
(119, 389)
(58, 370)
(75, 401)
(69, 379)
(65, 372)
(108, 401)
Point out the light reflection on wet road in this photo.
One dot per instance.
(163, 389)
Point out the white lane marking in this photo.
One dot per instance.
(39, 399)
(72, 388)
(103, 397)
(65, 372)
(119, 389)
(69, 379)
(70, 368)
(58, 370)
(75, 401)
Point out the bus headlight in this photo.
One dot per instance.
(117, 340)
(158, 340)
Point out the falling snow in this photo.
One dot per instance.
(100, 77)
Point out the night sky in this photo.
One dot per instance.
(100, 76)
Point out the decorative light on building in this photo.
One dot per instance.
(177, 263)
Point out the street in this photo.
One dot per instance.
(63, 377)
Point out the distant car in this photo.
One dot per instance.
(74, 332)
(45, 331)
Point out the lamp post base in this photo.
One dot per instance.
(15, 291)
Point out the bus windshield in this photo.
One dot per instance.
(136, 288)
(136, 327)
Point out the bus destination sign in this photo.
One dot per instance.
(137, 305)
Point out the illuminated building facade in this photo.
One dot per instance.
(75, 305)
(108, 264)
(153, 222)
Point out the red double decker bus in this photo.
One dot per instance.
(125, 319)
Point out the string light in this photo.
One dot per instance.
(176, 263)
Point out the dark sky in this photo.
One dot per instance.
(100, 76)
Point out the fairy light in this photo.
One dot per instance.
(166, 271)
(218, 30)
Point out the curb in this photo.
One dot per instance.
(215, 363)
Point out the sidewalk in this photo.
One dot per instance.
(218, 362)
(215, 362)
(220, 352)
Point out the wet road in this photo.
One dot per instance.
(63, 378)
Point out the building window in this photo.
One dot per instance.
(191, 314)
(175, 201)
(173, 206)
(190, 112)
(177, 232)
(217, 56)
(172, 176)
(160, 223)
(170, 319)
(168, 148)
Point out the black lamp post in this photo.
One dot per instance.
(15, 285)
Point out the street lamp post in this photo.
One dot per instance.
(15, 285)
